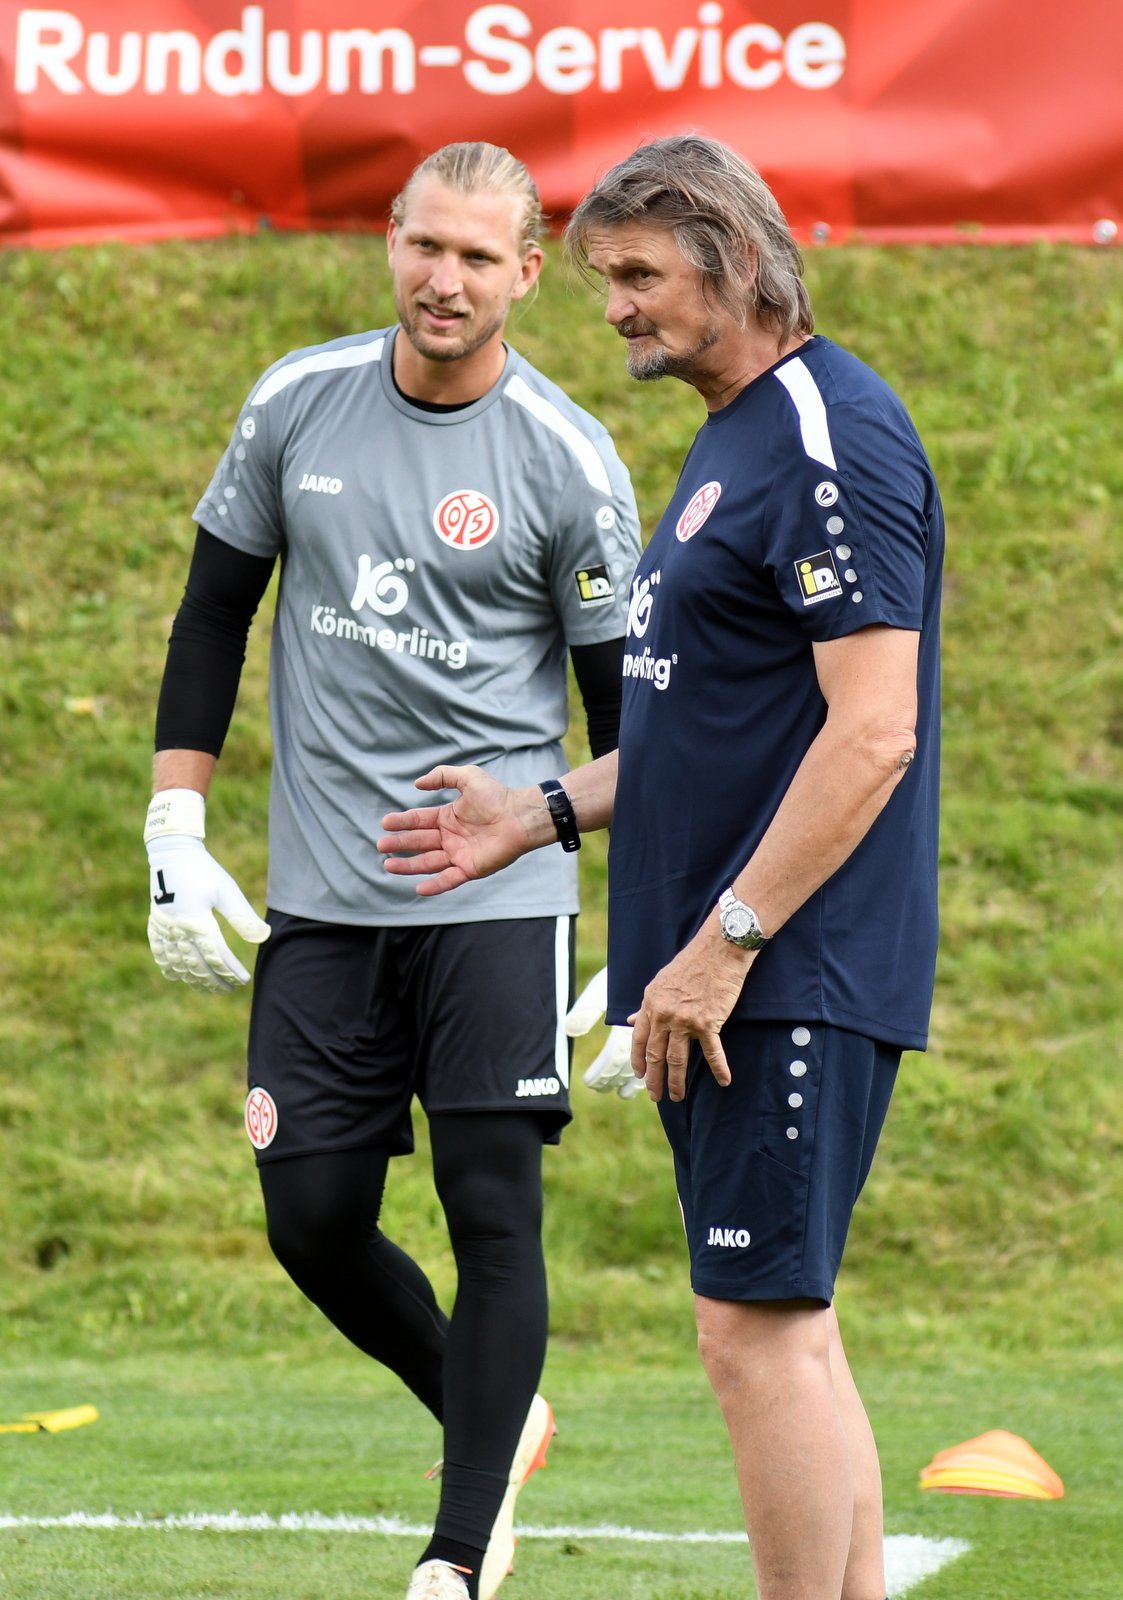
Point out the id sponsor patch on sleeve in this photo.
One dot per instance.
(594, 586)
(818, 578)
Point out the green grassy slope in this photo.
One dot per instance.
(128, 1209)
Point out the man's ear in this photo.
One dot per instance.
(534, 259)
(749, 273)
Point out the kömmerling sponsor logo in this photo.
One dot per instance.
(650, 668)
(413, 641)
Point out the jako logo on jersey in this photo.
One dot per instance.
(466, 519)
(729, 1238)
(818, 579)
(380, 587)
(594, 586)
(826, 494)
(640, 603)
(529, 1087)
(702, 502)
(319, 483)
(261, 1118)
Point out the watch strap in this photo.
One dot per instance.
(561, 809)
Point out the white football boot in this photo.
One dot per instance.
(436, 1580)
(530, 1454)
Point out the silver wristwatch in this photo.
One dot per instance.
(740, 923)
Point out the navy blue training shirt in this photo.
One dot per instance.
(806, 510)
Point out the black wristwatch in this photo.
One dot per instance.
(561, 809)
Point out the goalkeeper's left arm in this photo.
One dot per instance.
(200, 685)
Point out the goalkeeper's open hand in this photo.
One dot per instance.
(612, 1068)
(187, 887)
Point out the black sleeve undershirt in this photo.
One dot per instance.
(207, 649)
(598, 670)
(208, 645)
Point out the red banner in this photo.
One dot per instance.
(887, 120)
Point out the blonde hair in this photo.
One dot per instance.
(479, 168)
(724, 218)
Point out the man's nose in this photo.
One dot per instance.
(618, 307)
(446, 277)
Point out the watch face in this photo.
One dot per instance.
(739, 922)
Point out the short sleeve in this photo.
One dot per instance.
(242, 503)
(846, 538)
(594, 550)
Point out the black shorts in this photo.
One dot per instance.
(347, 1025)
(769, 1169)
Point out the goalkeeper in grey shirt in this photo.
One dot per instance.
(451, 530)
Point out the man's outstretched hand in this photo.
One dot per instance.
(485, 828)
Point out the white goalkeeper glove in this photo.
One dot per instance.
(187, 887)
(613, 1067)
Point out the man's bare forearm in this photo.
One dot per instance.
(861, 753)
(183, 769)
(834, 799)
(592, 788)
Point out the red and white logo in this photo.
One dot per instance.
(701, 504)
(261, 1118)
(466, 519)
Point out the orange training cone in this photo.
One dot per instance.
(998, 1463)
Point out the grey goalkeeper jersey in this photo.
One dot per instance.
(435, 569)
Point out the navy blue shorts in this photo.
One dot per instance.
(347, 1025)
(769, 1169)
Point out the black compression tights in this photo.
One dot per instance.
(477, 1372)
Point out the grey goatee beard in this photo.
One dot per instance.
(648, 365)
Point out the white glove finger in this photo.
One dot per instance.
(180, 962)
(634, 1086)
(612, 1069)
(189, 951)
(217, 955)
(589, 1006)
(179, 958)
(240, 914)
(194, 970)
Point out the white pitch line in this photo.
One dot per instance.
(909, 1557)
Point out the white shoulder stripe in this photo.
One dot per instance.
(799, 383)
(547, 413)
(352, 355)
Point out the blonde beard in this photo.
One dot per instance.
(447, 349)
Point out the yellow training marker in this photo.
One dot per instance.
(52, 1421)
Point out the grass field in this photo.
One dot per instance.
(639, 1464)
(983, 1286)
